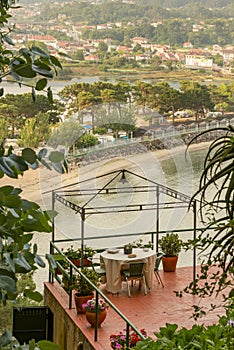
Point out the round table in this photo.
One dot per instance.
(115, 261)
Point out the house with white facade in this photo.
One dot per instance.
(193, 61)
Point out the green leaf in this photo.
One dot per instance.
(50, 95)
(38, 260)
(5, 191)
(7, 283)
(36, 296)
(41, 84)
(39, 52)
(34, 97)
(22, 262)
(12, 201)
(5, 339)
(1, 92)
(58, 167)
(25, 71)
(29, 155)
(56, 156)
(8, 40)
(2, 219)
(42, 153)
(55, 61)
(47, 345)
(42, 71)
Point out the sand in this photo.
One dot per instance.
(34, 183)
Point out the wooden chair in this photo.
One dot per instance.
(156, 267)
(134, 273)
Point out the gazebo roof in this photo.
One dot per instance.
(82, 196)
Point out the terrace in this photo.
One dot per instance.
(130, 197)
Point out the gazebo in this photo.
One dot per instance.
(120, 194)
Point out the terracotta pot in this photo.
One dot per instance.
(91, 317)
(80, 300)
(57, 271)
(169, 263)
(76, 262)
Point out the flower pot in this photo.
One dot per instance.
(77, 262)
(91, 317)
(127, 249)
(169, 263)
(57, 271)
(80, 300)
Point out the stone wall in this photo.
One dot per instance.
(66, 332)
(142, 146)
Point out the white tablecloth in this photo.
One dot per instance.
(114, 263)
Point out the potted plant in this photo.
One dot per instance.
(75, 255)
(170, 245)
(90, 311)
(83, 289)
(119, 341)
(128, 248)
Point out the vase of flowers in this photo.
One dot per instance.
(91, 309)
(119, 341)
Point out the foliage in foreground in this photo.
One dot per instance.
(215, 337)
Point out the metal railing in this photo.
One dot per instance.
(161, 133)
(98, 293)
(55, 250)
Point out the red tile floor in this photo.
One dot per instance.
(151, 311)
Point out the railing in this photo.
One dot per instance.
(72, 267)
(157, 134)
(98, 293)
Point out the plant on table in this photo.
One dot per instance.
(119, 341)
(140, 244)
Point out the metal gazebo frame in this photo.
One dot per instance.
(65, 193)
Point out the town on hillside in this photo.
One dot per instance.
(174, 44)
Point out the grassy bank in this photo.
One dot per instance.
(89, 70)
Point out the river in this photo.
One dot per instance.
(58, 85)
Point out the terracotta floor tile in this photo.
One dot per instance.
(151, 311)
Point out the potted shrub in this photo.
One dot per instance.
(170, 245)
(84, 290)
(75, 255)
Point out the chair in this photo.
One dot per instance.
(156, 267)
(134, 273)
(98, 265)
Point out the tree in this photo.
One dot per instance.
(196, 97)
(87, 140)
(66, 134)
(35, 131)
(3, 128)
(102, 49)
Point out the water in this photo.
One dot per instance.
(56, 86)
(175, 172)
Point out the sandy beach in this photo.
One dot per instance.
(36, 182)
